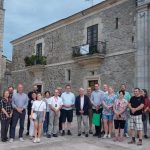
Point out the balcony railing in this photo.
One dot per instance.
(35, 60)
(89, 49)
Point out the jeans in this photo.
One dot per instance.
(145, 124)
(126, 127)
(21, 117)
(46, 123)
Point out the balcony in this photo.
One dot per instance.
(35, 60)
(89, 54)
(35, 64)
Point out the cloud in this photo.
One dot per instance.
(25, 16)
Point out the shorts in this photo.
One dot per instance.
(119, 124)
(40, 116)
(136, 122)
(67, 115)
(107, 117)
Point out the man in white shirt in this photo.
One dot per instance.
(68, 99)
(55, 103)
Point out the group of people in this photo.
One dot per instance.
(53, 113)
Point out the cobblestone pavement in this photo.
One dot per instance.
(73, 143)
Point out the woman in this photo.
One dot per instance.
(145, 114)
(5, 114)
(38, 115)
(46, 122)
(120, 107)
(31, 127)
(108, 112)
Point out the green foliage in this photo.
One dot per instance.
(35, 60)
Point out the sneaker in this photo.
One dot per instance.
(145, 136)
(21, 139)
(79, 134)
(127, 135)
(95, 134)
(63, 133)
(131, 142)
(48, 135)
(55, 135)
(86, 135)
(35, 140)
(109, 136)
(11, 140)
(105, 136)
(139, 143)
(27, 134)
(69, 133)
(38, 140)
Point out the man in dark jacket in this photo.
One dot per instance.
(82, 105)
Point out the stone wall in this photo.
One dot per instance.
(118, 65)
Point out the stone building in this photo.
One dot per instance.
(5, 64)
(100, 44)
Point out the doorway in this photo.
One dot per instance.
(91, 83)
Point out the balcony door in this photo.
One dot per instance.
(92, 37)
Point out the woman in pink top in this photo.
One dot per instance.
(119, 107)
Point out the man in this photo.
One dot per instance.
(19, 104)
(97, 98)
(55, 103)
(89, 92)
(127, 97)
(105, 87)
(136, 105)
(82, 105)
(11, 91)
(68, 99)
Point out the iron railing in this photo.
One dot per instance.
(98, 47)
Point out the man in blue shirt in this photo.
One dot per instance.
(97, 98)
(19, 104)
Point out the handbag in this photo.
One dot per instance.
(96, 119)
(34, 116)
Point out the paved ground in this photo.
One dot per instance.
(73, 143)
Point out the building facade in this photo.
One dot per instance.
(96, 45)
(5, 64)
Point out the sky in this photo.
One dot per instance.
(25, 16)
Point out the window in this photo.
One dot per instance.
(117, 23)
(132, 39)
(68, 75)
(39, 88)
(92, 35)
(39, 49)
